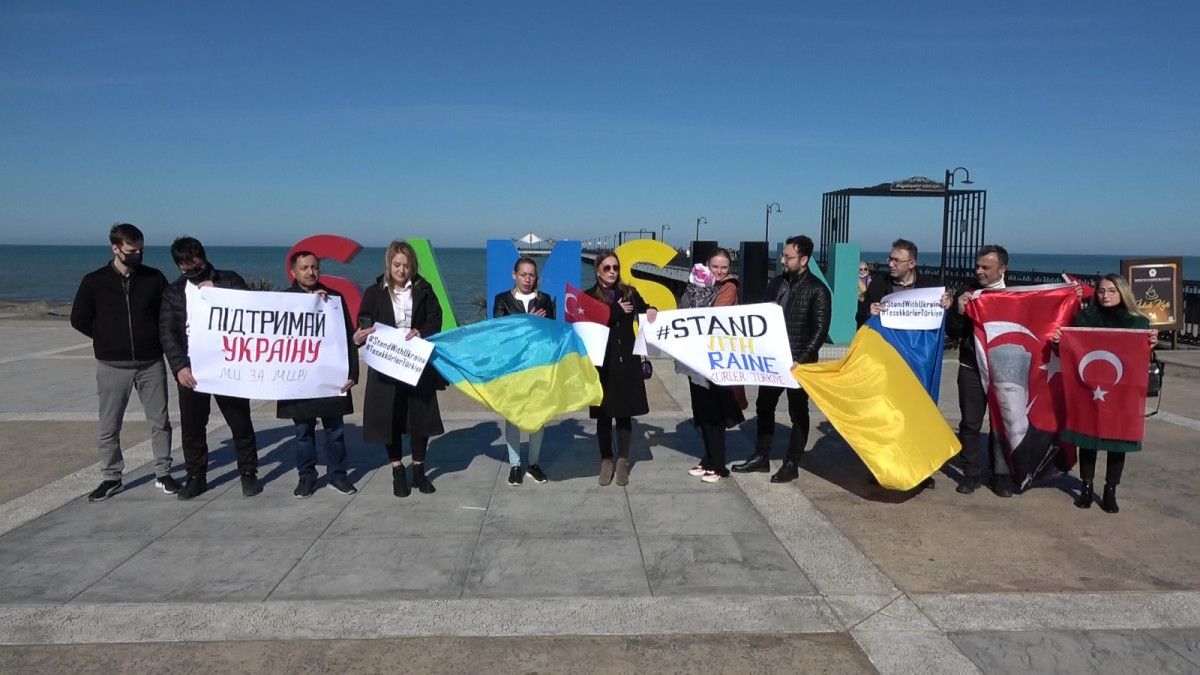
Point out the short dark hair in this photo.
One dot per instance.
(124, 233)
(802, 243)
(300, 254)
(1000, 251)
(906, 245)
(185, 249)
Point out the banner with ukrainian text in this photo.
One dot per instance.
(265, 345)
(740, 344)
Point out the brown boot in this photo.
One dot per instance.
(606, 470)
(622, 471)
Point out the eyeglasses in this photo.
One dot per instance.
(1107, 291)
(610, 268)
(897, 260)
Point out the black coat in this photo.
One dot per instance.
(172, 318)
(880, 286)
(391, 407)
(120, 314)
(506, 303)
(806, 312)
(621, 374)
(327, 406)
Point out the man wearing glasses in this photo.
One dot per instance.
(806, 311)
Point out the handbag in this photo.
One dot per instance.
(647, 368)
(1154, 383)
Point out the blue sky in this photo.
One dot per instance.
(260, 123)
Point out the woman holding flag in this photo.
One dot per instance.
(524, 298)
(714, 408)
(401, 298)
(1114, 307)
(621, 375)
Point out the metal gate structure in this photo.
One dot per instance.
(963, 216)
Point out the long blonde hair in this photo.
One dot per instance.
(398, 246)
(1126, 293)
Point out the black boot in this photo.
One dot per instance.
(400, 481)
(1108, 503)
(420, 481)
(758, 462)
(1084, 500)
(787, 473)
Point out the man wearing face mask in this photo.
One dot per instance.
(991, 264)
(117, 307)
(194, 406)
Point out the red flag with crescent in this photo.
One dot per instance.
(1021, 372)
(1104, 383)
(583, 307)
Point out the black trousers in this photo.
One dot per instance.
(1087, 466)
(764, 409)
(194, 408)
(972, 403)
(420, 445)
(604, 425)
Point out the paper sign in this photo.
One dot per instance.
(742, 344)
(388, 352)
(916, 309)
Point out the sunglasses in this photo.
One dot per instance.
(610, 268)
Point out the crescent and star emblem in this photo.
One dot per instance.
(1098, 394)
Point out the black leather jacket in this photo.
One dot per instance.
(120, 314)
(506, 303)
(172, 318)
(806, 311)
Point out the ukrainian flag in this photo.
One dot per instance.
(882, 411)
(526, 368)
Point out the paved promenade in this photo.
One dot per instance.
(826, 574)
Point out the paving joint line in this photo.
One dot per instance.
(479, 535)
(638, 539)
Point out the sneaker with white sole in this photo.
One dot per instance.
(167, 484)
(105, 490)
(711, 477)
(697, 471)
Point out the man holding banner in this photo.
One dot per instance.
(806, 310)
(195, 270)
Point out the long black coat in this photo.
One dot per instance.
(391, 407)
(621, 374)
(328, 406)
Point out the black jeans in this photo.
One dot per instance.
(194, 408)
(764, 409)
(604, 426)
(972, 403)
(1087, 466)
(419, 444)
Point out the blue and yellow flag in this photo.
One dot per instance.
(526, 368)
(880, 408)
(922, 350)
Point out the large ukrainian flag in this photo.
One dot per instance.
(526, 368)
(881, 409)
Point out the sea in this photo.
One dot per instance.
(52, 273)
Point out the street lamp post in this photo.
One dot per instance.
(700, 220)
(662, 236)
(946, 212)
(767, 232)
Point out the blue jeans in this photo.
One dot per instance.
(512, 438)
(306, 447)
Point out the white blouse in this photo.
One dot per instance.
(525, 298)
(402, 306)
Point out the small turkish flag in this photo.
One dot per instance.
(583, 307)
(1104, 383)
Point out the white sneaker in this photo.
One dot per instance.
(710, 477)
(697, 471)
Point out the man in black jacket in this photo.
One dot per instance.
(194, 406)
(806, 311)
(306, 268)
(991, 264)
(117, 307)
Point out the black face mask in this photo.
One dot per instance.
(195, 274)
(132, 260)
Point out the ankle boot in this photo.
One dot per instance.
(399, 481)
(622, 471)
(420, 481)
(1084, 500)
(1108, 503)
(606, 470)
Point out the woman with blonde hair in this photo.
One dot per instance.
(403, 299)
(1113, 307)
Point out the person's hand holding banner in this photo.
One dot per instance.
(396, 353)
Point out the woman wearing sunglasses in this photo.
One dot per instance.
(621, 374)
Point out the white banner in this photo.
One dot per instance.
(265, 345)
(742, 344)
(595, 339)
(915, 309)
(387, 351)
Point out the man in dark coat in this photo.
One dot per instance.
(194, 406)
(117, 307)
(306, 268)
(806, 312)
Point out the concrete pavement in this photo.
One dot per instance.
(828, 573)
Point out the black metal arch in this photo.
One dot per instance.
(963, 217)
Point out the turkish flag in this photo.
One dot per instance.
(1020, 371)
(1104, 382)
(583, 307)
